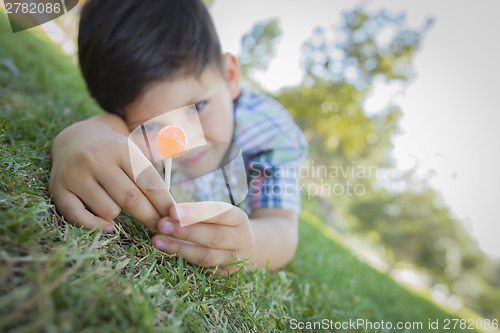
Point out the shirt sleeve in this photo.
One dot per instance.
(274, 170)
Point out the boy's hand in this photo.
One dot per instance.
(91, 166)
(212, 242)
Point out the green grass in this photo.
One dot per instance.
(55, 277)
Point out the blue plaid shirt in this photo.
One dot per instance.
(273, 149)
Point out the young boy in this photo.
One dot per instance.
(141, 59)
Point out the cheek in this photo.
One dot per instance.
(218, 126)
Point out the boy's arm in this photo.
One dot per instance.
(91, 167)
(276, 237)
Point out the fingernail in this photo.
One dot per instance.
(178, 213)
(109, 229)
(166, 227)
(160, 245)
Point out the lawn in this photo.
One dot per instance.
(56, 277)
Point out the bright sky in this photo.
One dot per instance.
(450, 110)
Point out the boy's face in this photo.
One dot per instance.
(213, 95)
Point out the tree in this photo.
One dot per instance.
(257, 49)
(411, 224)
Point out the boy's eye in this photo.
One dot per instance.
(200, 105)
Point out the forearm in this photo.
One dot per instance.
(276, 239)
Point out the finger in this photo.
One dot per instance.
(98, 200)
(140, 171)
(153, 187)
(207, 211)
(205, 234)
(128, 196)
(73, 211)
(194, 253)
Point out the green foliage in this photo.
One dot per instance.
(332, 115)
(257, 49)
(419, 230)
(208, 3)
(372, 45)
(329, 104)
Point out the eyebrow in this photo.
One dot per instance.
(197, 99)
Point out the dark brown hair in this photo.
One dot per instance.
(123, 46)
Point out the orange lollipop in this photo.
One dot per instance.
(171, 141)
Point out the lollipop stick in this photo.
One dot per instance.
(167, 163)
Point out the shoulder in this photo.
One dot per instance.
(253, 106)
(261, 122)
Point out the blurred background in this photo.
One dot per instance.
(406, 89)
(397, 100)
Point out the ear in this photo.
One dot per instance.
(232, 70)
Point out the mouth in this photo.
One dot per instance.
(193, 160)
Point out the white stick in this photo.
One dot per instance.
(167, 163)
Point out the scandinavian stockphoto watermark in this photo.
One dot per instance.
(26, 14)
(316, 180)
